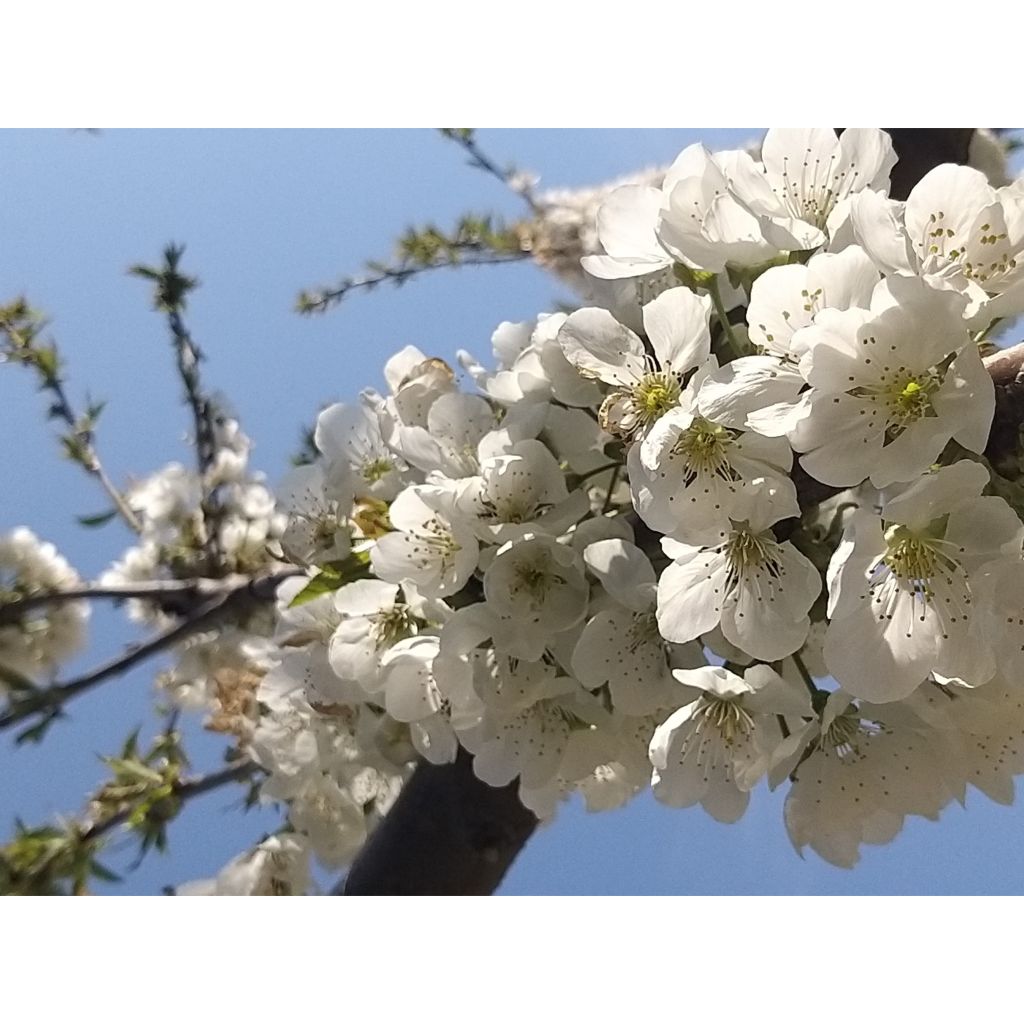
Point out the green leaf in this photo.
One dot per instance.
(48, 361)
(98, 519)
(322, 583)
(97, 870)
(35, 733)
(333, 575)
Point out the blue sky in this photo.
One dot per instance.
(264, 214)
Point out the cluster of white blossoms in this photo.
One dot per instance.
(223, 522)
(595, 569)
(33, 643)
(733, 528)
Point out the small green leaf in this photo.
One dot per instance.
(97, 870)
(322, 583)
(35, 733)
(99, 519)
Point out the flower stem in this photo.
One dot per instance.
(723, 317)
(804, 674)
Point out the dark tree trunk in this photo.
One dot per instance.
(448, 834)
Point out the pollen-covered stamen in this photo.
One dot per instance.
(812, 195)
(909, 400)
(901, 396)
(436, 537)
(532, 579)
(655, 394)
(1000, 262)
(845, 733)
(704, 449)
(727, 717)
(376, 469)
(391, 625)
(643, 631)
(910, 557)
(512, 508)
(752, 558)
(921, 567)
(630, 410)
(985, 257)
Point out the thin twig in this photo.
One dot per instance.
(172, 288)
(23, 351)
(187, 358)
(479, 159)
(321, 301)
(183, 790)
(152, 590)
(49, 701)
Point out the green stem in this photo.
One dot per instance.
(611, 487)
(723, 317)
(804, 674)
(596, 472)
(982, 335)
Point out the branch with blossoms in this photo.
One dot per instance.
(634, 402)
(751, 515)
(202, 574)
(220, 603)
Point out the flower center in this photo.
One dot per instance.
(748, 552)
(377, 469)
(730, 720)
(643, 631)
(654, 395)
(533, 579)
(845, 733)
(908, 401)
(910, 557)
(391, 625)
(705, 448)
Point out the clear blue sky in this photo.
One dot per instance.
(265, 214)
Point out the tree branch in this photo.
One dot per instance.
(322, 300)
(466, 139)
(172, 288)
(175, 597)
(448, 834)
(183, 791)
(48, 702)
(921, 149)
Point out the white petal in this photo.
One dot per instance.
(677, 324)
(599, 346)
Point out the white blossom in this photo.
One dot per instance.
(645, 387)
(901, 597)
(757, 589)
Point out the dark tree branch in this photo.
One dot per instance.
(174, 597)
(921, 149)
(448, 834)
(172, 288)
(48, 702)
(1004, 448)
